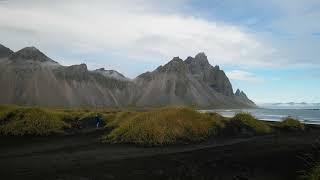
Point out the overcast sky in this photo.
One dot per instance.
(270, 49)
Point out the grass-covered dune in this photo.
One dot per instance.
(23, 121)
(158, 126)
(20, 120)
(291, 124)
(179, 125)
(245, 123)
(163, 126)
(314, 173)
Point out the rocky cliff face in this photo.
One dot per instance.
(243, 97)
(212, 76)
(30, 54)
(111, 74)
(30, 77)
(4, 51)
(190, 82)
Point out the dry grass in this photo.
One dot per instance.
(246, 120)
(314, 174)
(152, 127)
(20, 120)
(290, 123)
(31, 121)
(163, 126)
(119, 118)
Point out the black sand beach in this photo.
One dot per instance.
(81, 156)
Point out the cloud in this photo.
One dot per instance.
(244, 76)
(290, 28)
(150, 31)
(136, 29)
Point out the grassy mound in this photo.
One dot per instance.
(163, 126)
(5, 110)
(21, 120)
(119, 118)
(245, 123)
(314, 174)
(30, 121)
(290, 123)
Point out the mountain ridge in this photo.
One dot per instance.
(30, 53)
(4, 51)
(29, 76)
(182, 81)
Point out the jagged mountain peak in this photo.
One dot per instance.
(175, 65)
(237, 93)
(31, 53)
(4, 51)
(190, 82)
(200, 59)
(240, 93)
(199, 64)
(111, 74)
(189, 59)
(175, 61)
(79, 67)
(30, 48)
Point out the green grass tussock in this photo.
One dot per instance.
(290, 123)
(22, 120)
(5, 110)
(314, 174)
(31, 121)
(162, 126)
(250, 123)
(116, 119)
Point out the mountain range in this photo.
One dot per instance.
(29, 77)
(295, 104)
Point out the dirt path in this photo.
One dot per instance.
(83, 157)
(89, 143)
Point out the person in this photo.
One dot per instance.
(98, 120)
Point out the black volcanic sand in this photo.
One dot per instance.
(83, 157)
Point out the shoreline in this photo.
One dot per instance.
(275, 116)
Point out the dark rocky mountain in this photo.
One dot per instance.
(111, 74)
(29, 77)
(4, 51)
(243, 97)
(30, 53)
(190, 82)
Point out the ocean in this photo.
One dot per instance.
(306, 114)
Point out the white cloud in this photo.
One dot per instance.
(136, 29)
(244, 76)
(290, 27)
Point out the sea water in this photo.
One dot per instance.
(308, 115)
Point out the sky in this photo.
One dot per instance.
(269, 49)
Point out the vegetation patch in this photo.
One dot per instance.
(4, 112)
(119, 118)
(314, 174)
(245, 123)
(157, 126)
(22, 120)
(290, 123)
(31, 121)
(163, 126)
